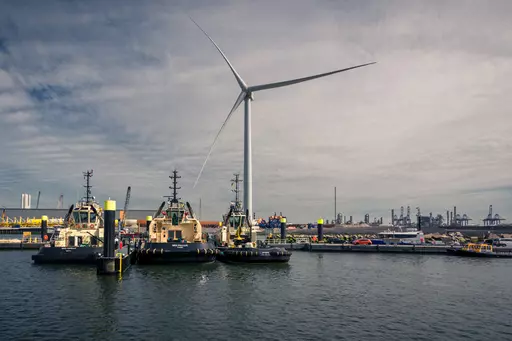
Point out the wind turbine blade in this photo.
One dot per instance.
(237, 76)
(300, 80)
(238, 101)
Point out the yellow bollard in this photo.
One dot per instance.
(120, 263)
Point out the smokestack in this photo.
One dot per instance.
(451, 218)
(392, 217)
(335, 213)
(447, 218)
(455, 214)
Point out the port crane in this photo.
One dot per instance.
(38, 196)
(125, 209)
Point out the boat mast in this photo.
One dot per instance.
(236, 181)
(87, 177)
(174, 187)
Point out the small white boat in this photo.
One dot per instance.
(410, 236)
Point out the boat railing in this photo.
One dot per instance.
(301, 240)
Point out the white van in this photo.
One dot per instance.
(502, 243)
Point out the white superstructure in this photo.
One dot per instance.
(403, 237)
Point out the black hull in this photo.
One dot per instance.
(169, 253)
(254, 255)
(464, 253)
(67, 255)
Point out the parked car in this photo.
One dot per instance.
(362, 242)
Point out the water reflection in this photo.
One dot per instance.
(314, 297)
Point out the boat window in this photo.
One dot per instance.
(397, 235)
(92, 217)
(236, 221)
(174, 218)
(84, 217)
(76, 216)
(178, 234)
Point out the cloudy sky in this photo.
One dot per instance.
(133, 90)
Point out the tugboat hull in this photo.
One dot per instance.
(167, 253)
(67, 255)
(254, 255)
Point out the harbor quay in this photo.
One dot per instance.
(300, 241)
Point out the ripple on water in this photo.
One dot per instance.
(314, 297)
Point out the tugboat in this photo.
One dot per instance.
(234, 227)
(78, 241)
(175, 235)
(241, 247)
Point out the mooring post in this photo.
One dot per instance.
(283, 230)
(320, 228)
(109, 228)
(44, 227)
(107, 263)
(148, 222)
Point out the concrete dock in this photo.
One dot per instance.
(430, 249)
(304, 244)
(19, 245)
(121, 262)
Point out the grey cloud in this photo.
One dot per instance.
(143, 92)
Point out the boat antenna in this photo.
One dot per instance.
(87, 177)
(236, 183)
(174, 197)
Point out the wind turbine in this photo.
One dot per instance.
(246, 95)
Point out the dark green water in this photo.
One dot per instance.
(315, 297)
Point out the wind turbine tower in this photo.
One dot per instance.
(247, 95)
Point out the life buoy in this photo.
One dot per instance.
(91, 226)
(45, 237)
